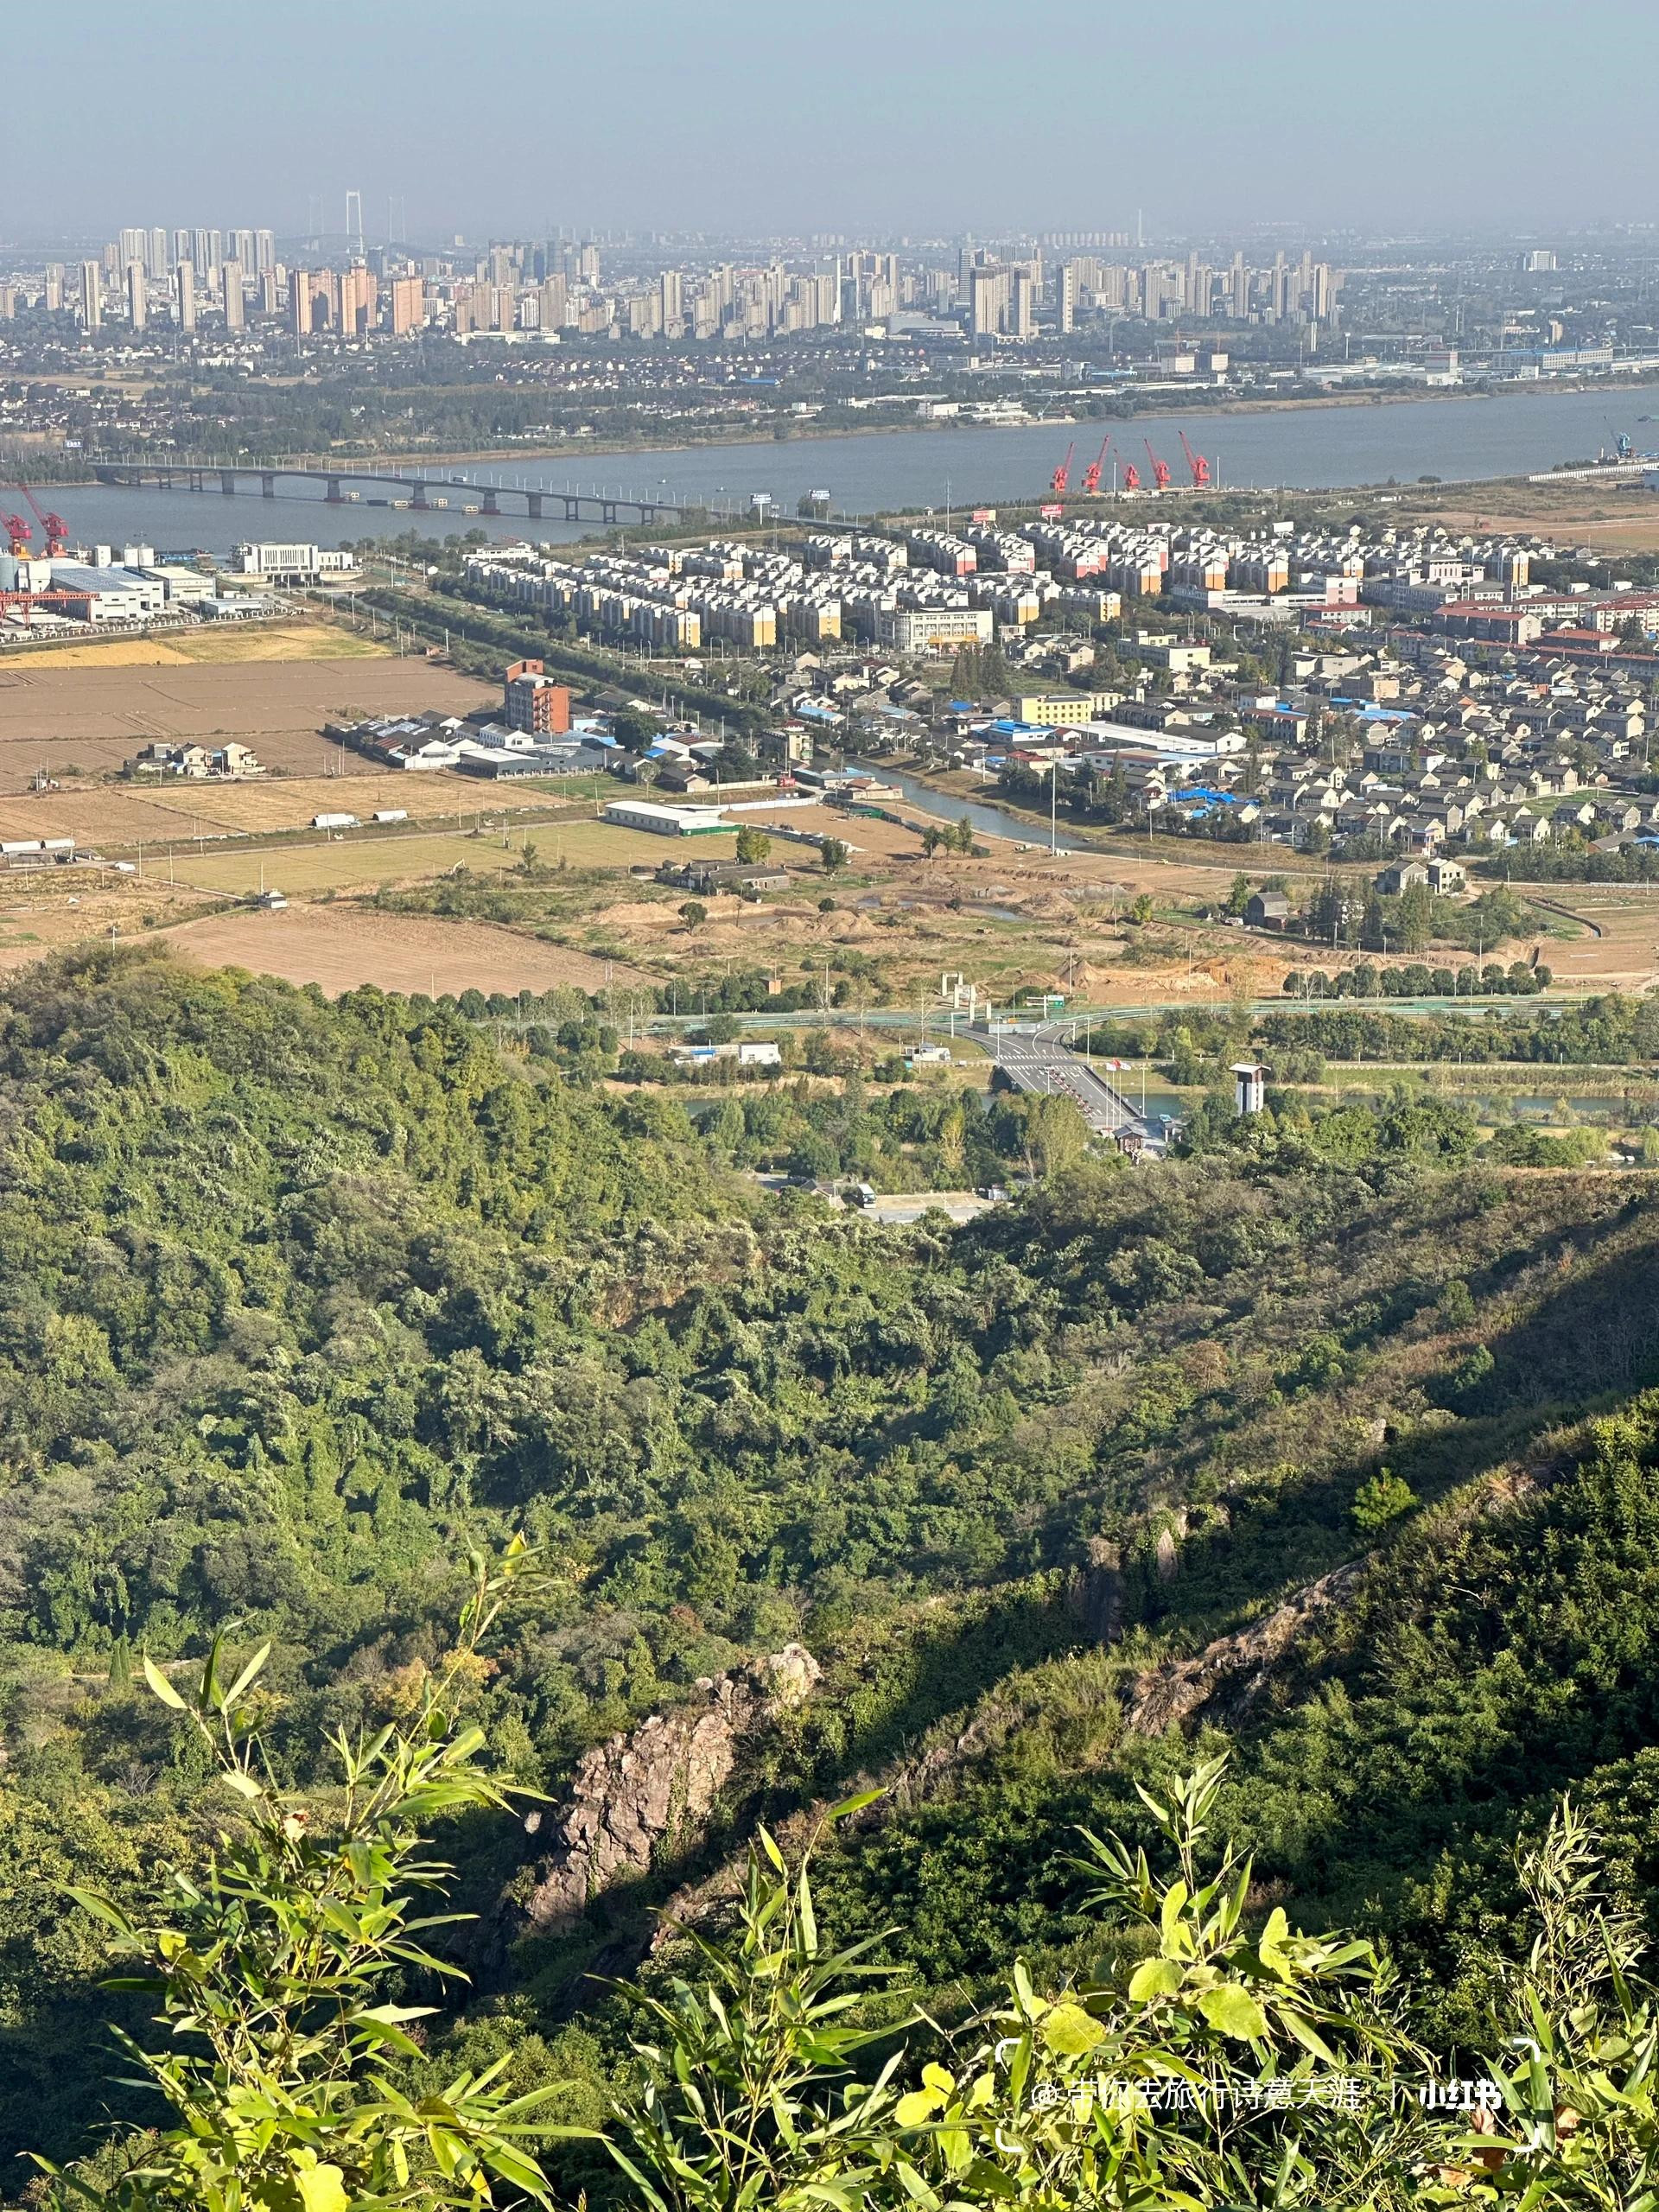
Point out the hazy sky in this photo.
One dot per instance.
(505, 116)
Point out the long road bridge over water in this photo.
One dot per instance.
(418, 488)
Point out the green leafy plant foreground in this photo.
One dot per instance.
(1216, 2057)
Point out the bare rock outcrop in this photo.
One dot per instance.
(655, 1785)
(1096, 1591)
(1163, 1696)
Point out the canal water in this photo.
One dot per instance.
(989, 821)
(1371, 442)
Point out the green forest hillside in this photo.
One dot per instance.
(1332, 1447)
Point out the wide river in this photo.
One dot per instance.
(1317, 447)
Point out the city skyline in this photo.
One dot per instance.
(945, 119)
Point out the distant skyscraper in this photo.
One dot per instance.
(181, 247)
(299, 301)
(242, 247)
(1022, 315)
(235, 306)
(408, 305)
(265, 250)
(92, 295)
(205, 262)
(1065, 294)
(52, 298)
(132, 245)
(184, 295)
(138, 295)
(156, 257)
(359, 298)
(987, 299)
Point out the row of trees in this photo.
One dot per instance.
(1416, 979)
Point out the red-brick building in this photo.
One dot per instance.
(532, 702)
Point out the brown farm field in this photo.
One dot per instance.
(91, 719)
(366, 863)
(225, 645)
(341, 947)
(1616, 517)
(122, 816)
(1624, 957)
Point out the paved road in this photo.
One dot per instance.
(910, 1205)
(1039, 1061)
(895, 1208)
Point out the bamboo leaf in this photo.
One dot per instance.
(850, 1805)
(162, 1687)
(246, 1676)
(101, 1908)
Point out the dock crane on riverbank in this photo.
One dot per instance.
(1196, 463)
(18, 533)
(54, 528)
(1092, 474)
(1159, 468)
(1061, 475)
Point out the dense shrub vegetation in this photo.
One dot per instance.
(297, 1299)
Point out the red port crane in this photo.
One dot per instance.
(1092, 474)
(17, 536)
(1159, 468)
(53, 527)
(1061, 475)
(1196, 463)
(1131, 477)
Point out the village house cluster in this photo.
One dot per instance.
(930, 589)
(1398, 692)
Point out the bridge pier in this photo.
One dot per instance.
(607, 511)
(491, 504)
(418, 499)
(227, 482)
(332, 496)
(535, 499)
(268, 483)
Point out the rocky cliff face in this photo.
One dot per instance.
(655, 1786)
(1239, 1666)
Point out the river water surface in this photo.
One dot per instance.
(1317, 447)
